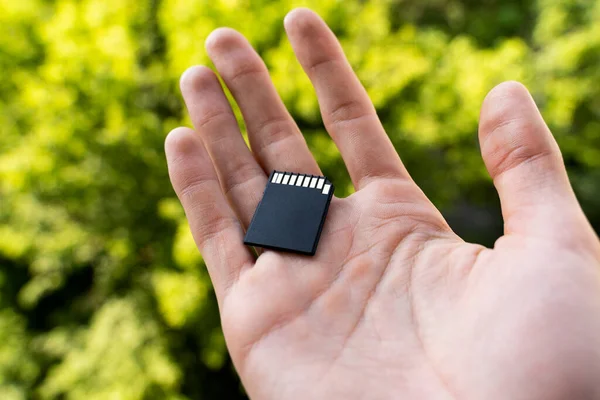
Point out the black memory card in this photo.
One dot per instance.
(291, 214)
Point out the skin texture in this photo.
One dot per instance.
(394, 305)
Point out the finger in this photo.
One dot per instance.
(241, 178)
(348, 113)
(525, 163)
(215, 228)
(274, 137)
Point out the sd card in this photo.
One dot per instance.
(291, 214)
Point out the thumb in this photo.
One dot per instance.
(526, 165)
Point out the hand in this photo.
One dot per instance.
(394, 305)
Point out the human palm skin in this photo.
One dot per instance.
(394, 305)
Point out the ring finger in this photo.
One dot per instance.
(274, 137)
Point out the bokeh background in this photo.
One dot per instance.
(103, 294)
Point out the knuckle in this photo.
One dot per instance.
(273, 132)
(213, 117)
(245, 172)
(244, 69)
(512, 142)
(212, 225)
(193, 187)
(518, 155)
(347, 111)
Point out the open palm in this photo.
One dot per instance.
(394, 304)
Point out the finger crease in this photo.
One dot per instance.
(348, 111)
(231, 185)
(213, 116)
(321, 63)
(243, 73)
(273, 132)
(517, 156)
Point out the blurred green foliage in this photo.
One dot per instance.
(103, 294)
